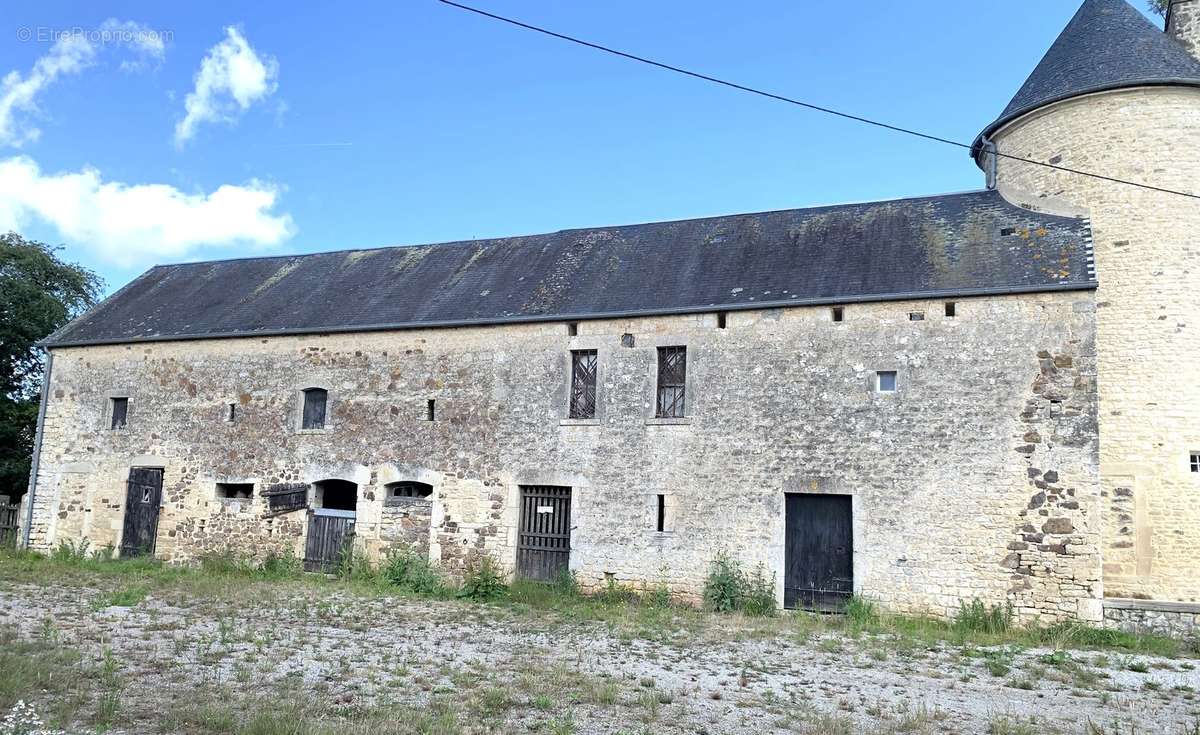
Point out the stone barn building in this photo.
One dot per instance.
(983, 395)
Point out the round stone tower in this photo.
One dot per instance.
(1116, 96)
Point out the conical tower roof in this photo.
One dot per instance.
(1107, 45)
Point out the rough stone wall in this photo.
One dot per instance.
(1184, 24)
(1140, 616)
(977, 478)
(1148, 310)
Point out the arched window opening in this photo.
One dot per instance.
(398, 493)
(315, 400)
(335, 495)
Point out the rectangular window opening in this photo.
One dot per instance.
(235, 490)
(916, 316)
(315, 400)
(572, 329)
(583, 384)
(722, 319)
(430, 409)
(951, 309)
(885, 381)
(1006, 231)
(661, 524)
(672, 380)
(230, 412)
(837, 313)
(627, 340)
(119, 410)
(1195, 461)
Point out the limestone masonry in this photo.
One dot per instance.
(995, 393)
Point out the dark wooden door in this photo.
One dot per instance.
(330, 535)
(143, 497)
(819, 552)
(8, 524)
(544, 541)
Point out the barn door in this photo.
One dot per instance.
(143, 497)
(330, 535)
(544, 541)
(818, 558)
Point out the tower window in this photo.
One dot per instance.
(722, 319)
(315, 400)
(119, 413)
(661, 512)
(1194, 461)
(430, 410)
(837, 313)
(951, 310)
(885, 381)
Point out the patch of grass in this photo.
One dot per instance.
(977, 617)
(128, 596)
(484, 580)
(411, 571)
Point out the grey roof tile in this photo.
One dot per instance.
(951, 244)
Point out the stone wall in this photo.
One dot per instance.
(1148, 310)
(1144, 616)
(977, 478)
(1184, 24)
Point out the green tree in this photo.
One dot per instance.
(38, 294)
(1160, 6)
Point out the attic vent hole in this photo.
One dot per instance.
(721, 320)
(916, 316)
(1006, 231)
(572, 329)
(837, 313)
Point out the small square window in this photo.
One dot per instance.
(1195, 461)
(235, 490)
(1006, 231)
(885, 381)
(572, 329)
(916, 316)
(837, 313)
(118, 413)
(951, 309)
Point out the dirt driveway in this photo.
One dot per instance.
(331, 660)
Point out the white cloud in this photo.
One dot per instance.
(232, 77)
(132, 224)
(71, 53)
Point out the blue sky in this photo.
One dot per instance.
(409, 122)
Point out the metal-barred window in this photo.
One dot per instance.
(583, 384)
(672, 377)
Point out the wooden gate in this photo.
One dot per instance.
(142, 500)
(330, 535)
(819, 553)
(544, 541)
(8, 524)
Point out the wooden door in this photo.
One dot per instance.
(143, 497)
(544, 540)
(330, 536)
(819, 552)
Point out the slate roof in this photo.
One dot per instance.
(941, 245)
(1107, 45)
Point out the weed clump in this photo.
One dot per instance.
(408, 570)
(483, 580)
(729, 588)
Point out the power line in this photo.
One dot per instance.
(801, 103)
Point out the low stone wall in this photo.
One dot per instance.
(1151, 616)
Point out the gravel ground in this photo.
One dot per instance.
(495, 668)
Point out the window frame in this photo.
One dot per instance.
(671, 379)
(878, 382)
(579, 406)
(114, 400)
(393, 500)
(302, 402)
(1194, 462)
